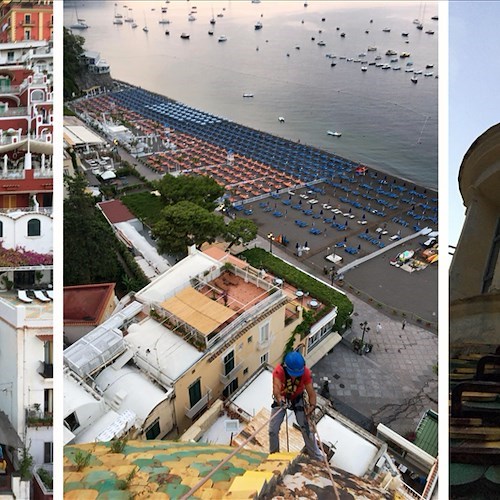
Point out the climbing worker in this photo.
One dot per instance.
(290, 380)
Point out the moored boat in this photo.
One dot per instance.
(334, 134)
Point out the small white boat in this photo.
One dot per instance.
(247, 95)
(222, 38)
(117, 20)
(210, 32)
(364, 68)
(163, 21)
(396, 68)
(404, 33)
(430, 32)
(79, 25)
(429, 66)
(371, 48)
(391, 52)
(430, 73)
(185, 36)
(334, 134)
(145, 29)
(414, 79)
(129, 19)
(191, 17)
(386, 30)
(134, 25)
(417, 71)
(321, 43)
(212, 21)
(281, 119)
(258, 25)
(220, 14)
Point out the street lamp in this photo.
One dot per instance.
(270, 237)
(364, 326)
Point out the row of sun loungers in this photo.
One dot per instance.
(41, 295)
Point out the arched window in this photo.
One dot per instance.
(34, 227)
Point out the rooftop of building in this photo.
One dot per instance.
(170, 469)
(115, 211)
(86, 304)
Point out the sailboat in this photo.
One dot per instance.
(80, 23)
(145, 29)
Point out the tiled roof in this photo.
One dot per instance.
(164, 469)
(116, 211)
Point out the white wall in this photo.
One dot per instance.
(15, 232)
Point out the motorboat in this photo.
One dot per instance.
(220, 14)
(167, 32)
(391, 52)
(145, 29)
(342, 35)
(416, 21)
(430, 73)
(371, 48)
(362, 54)
(134, 25)
(210, 32)
(377, 58)
(430, 32)
(164, 10)
(321, 43)
(129, 19)
(434, 18)
(386, 66)
(429, 66)
(364, 68)
(185, 36)
(212, 21)
(417, 72)
(408, 70)
(117, 20)
(420, 26)
(414, 79)
(394, 59)
(396, 68)
(247, 95)
(163, 21)
(222, 38)
(258, 25)
(372, 63)
(386, 30)
(191, 17)
(281, 119)
(334, 134)
(404, 33)
(404, 54)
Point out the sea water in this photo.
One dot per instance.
(387, 122)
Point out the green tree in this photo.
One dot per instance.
(185, 224)
(90, 254)
(198, 189)
(72, 64)
(240, 231)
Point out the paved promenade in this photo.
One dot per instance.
(395, 383)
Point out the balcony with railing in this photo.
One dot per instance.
(227, 378)
(199, 406)
(35, 417)
(46, 370)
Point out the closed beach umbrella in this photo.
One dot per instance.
(380, 236)
(366, 230)
(345, 239)
(350, 210)
(300, 202)
(364, 216)
(333, 218)
(359, 247)
(321, 212)
(305, 244)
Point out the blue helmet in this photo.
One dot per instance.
(294, 364)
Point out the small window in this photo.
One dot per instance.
(153, 431)
(264, 358)
(10, 55)
(245, 371)
(34, 227)
(71, 422)
(27, 34)
(492, 261)
(249, 340)
(48, 454)
(27, 18)
(264, 333)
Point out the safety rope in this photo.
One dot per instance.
(200, 483)
(325, 458)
